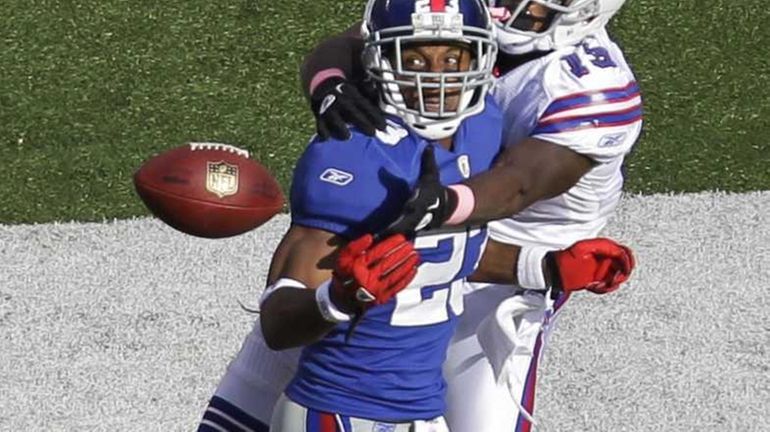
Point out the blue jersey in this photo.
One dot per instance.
(390, 369)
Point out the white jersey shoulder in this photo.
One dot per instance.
(583, 97)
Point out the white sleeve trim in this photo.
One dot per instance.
(280, 283)
(326, 306)
(529, 267)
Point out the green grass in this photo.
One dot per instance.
(705, 77)
(89, 89)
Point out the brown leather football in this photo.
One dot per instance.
(208, 190)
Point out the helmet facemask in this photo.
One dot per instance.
(432, 103)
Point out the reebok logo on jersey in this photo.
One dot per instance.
(337, 177)
(612, 140)
(383, 427)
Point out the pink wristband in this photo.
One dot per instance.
(323, 76)
(465, 204)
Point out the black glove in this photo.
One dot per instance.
(336, 102)
(431, 203)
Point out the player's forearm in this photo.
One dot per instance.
(599, 265)
(290, 318)
(523, 174)
(498, 193)
(498, 264)
(504, 263)
(340, 53)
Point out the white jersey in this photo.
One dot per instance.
(585, 98)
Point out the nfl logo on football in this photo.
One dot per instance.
(222, 178)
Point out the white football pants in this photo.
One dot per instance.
(476, 400)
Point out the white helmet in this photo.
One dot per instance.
(566, 22)
(390, 24)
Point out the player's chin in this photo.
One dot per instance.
(434, 105)
(436, 108)
(450, 105)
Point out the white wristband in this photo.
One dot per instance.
(280, 283)
(328, 310)
(529, 267)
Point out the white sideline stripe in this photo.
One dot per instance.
(230, 419)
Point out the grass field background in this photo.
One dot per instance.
(90, 89)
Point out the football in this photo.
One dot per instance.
(208, 190)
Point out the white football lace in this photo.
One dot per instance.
(219, 146)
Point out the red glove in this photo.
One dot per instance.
(599, 265)
(369, 274)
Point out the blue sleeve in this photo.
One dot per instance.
(494, 115)
(345, 187)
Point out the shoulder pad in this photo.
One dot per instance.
(594, 105)
(345, 187)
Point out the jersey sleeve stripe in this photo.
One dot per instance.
(590, 115)
(595, 97)
(594, 109)
(618, 118)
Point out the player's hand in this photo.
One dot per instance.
(336, 102)
(598, 265)
(430, 204)
(370, 273)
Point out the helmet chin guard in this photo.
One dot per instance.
(443, 99)
(568, 22)
(433, 125)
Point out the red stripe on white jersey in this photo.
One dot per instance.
(621, 110)
(596, 107)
